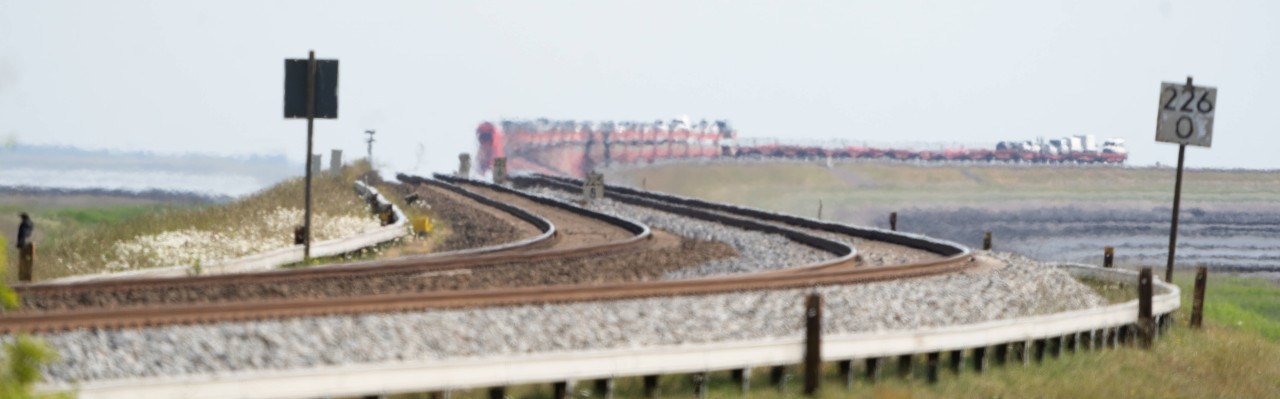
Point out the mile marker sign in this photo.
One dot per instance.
(1186, 114)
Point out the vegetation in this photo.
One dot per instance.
(797, 187)
(87, 239)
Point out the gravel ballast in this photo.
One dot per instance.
(757, 251)
(1016, 287)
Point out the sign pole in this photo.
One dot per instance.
(311, 110)
(1177, 201)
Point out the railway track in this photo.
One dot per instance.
(839, 270)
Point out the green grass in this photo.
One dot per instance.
(797, 187)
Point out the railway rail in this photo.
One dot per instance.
(202, 313)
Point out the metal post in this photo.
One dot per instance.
(311, 112)
(1146, 324)
(986, 241)
(1177, 201)
(1197, 302)
(813, 344)
(1108, 256)
(893, 221)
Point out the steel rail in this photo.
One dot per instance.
(463, 259)
(245, 311)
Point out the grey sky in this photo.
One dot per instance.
(207, 76)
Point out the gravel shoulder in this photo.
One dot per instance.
(1008, 286)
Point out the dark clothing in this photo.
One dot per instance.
(24, 232)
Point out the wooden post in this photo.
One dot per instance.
(1146, 324)
(651, 386)
(1001, 354)
(1108, 256)
(700, 385)
(873, 369)
(846, 372)
(813, 344)
(931, 366)
(1197, 301)
(742, 377)
(986, 241)
(893, 221)
(26, 262)
(979, 359)
(604, 388)
(957, 359)
(560, 390)
(776, 376)
(904, 366)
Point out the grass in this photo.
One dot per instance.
(797, 187)
(77, 240)
(1225, 359)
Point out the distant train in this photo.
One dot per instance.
(571, 148)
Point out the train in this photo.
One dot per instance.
(572, 148)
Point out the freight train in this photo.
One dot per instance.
(567, 147)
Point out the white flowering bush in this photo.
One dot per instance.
(208, 235)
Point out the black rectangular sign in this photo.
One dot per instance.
(295, 88)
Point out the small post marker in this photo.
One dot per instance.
(813, 344)
(26, 262)
(335, 161)
(464, 165)
(1146, 324)
(593, 186)
(986, 241)
(1197, 301)
(819, 209)
(1108, 257)
(499, 171)
(893, 221)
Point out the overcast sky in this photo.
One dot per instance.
(177, 77)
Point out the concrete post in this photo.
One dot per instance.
(335, 161)
(315, 164)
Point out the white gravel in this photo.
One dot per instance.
(1021, 288)
(756, 251)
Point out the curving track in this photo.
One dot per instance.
(394, 285)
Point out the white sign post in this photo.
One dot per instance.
(1185, 118)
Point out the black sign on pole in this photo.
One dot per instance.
(310, 91)
(295, 89)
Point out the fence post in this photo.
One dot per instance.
(893, 221)
(498, 393)
(931, 366)
(979, 359)
(813, 344)
(873, 369)
(957, 358)
(700, 385)
(26, 262)
(1197, 302)
(846, 372)
(1108, 256)
(1146, 324)
(776, 376)
(986, 241)
(651, 386)
(604, 387)
(742, 377)
(904, 366)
